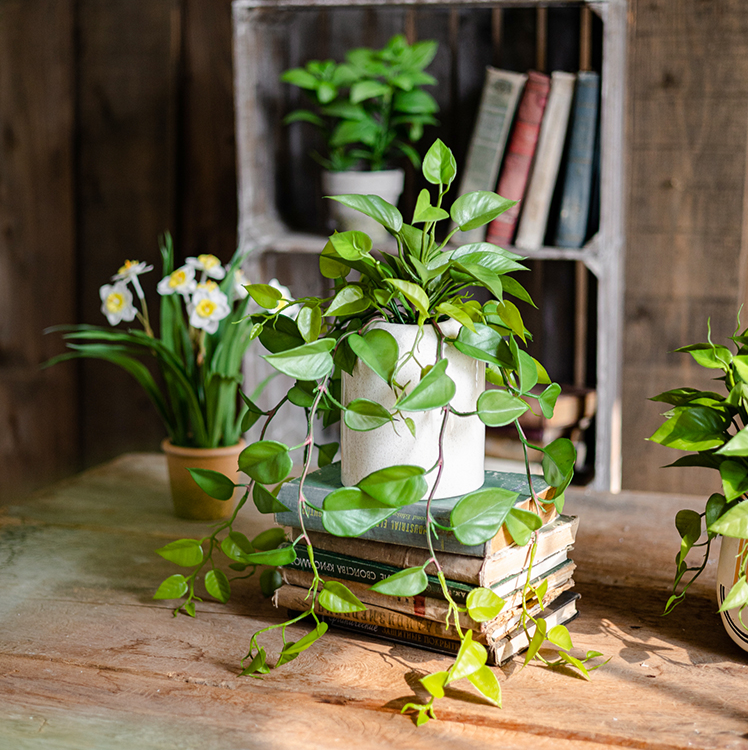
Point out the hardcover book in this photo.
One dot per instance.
(575, 198)
(516, 168)
(431, 605)
(501, 91)
(559, 611)
(537, 203)
(477, 571)
(407, 525)
(295, 598)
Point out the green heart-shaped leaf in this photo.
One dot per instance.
(378, 349)
(478, 516)
(395, 486)
(266, 461)
(408, 582)
(435, 389)
(306, 362)
(497, 408)
(338, 598)
(213, 483)
(349, 512)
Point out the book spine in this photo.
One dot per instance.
(455, 567)
(394, 635)
(422, 605)
(575, 201)
(537, 203)
(501, 91)
(407, 527)
(294, 597)
(522, 145)
(368, 572)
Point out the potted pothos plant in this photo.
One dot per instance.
(713, 427)
(197, 347)
(370, 110)
(425, 286)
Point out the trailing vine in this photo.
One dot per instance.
(425, 283)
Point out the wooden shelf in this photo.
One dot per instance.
(260, 43)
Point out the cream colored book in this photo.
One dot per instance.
(537, 203)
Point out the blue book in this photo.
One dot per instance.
(575, 197)
(407, 525)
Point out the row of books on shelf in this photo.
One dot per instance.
(536, 141)
(420, 620)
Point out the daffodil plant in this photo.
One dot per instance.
(425, 282)
(203, 335)
(713, 427)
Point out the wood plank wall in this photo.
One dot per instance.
(686, 240)
(116, 123)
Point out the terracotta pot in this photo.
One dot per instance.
(386, 183)
(390, 445)
(732, 556)
(189, 500)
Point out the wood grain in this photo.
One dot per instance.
(38, 420)
(87, 659)
(688, 108)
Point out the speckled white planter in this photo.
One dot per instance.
(731, 553)
(387, 184)
(390, 445)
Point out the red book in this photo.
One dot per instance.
(516, 169)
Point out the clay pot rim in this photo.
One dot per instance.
(226, 450)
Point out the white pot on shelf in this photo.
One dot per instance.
(386, 183)
(732, 556)
(391, 445)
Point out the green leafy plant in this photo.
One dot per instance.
(426, 282)
(204, 334)
(714, 427)
(371, 107)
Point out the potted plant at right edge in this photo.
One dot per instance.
(370, 109)
(714, 427)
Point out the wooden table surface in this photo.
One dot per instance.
(89, 660)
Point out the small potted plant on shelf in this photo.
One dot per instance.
(409, 328)
(370, 109)
(202, 336)
(714, 428)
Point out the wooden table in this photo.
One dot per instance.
(89, 660)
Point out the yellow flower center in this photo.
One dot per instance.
(208, 261)
(178, 278)
(209, 285)
(205, 308)
(128, 265)
(115, 302)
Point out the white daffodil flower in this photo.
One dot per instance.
(130, 272)
(131, 269)
(284, 306)
(209, 265)
(182, 281)
(208, 307)
(116, 302)
(240, 279)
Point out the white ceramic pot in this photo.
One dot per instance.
(387, 184)
(390, 445)
(732, 556)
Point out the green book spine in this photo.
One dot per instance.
(407, 526)
(369, 572)
(575, 201)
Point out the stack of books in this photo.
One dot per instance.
(400, 542)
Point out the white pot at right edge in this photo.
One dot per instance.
(391, 445)
(731, 560)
